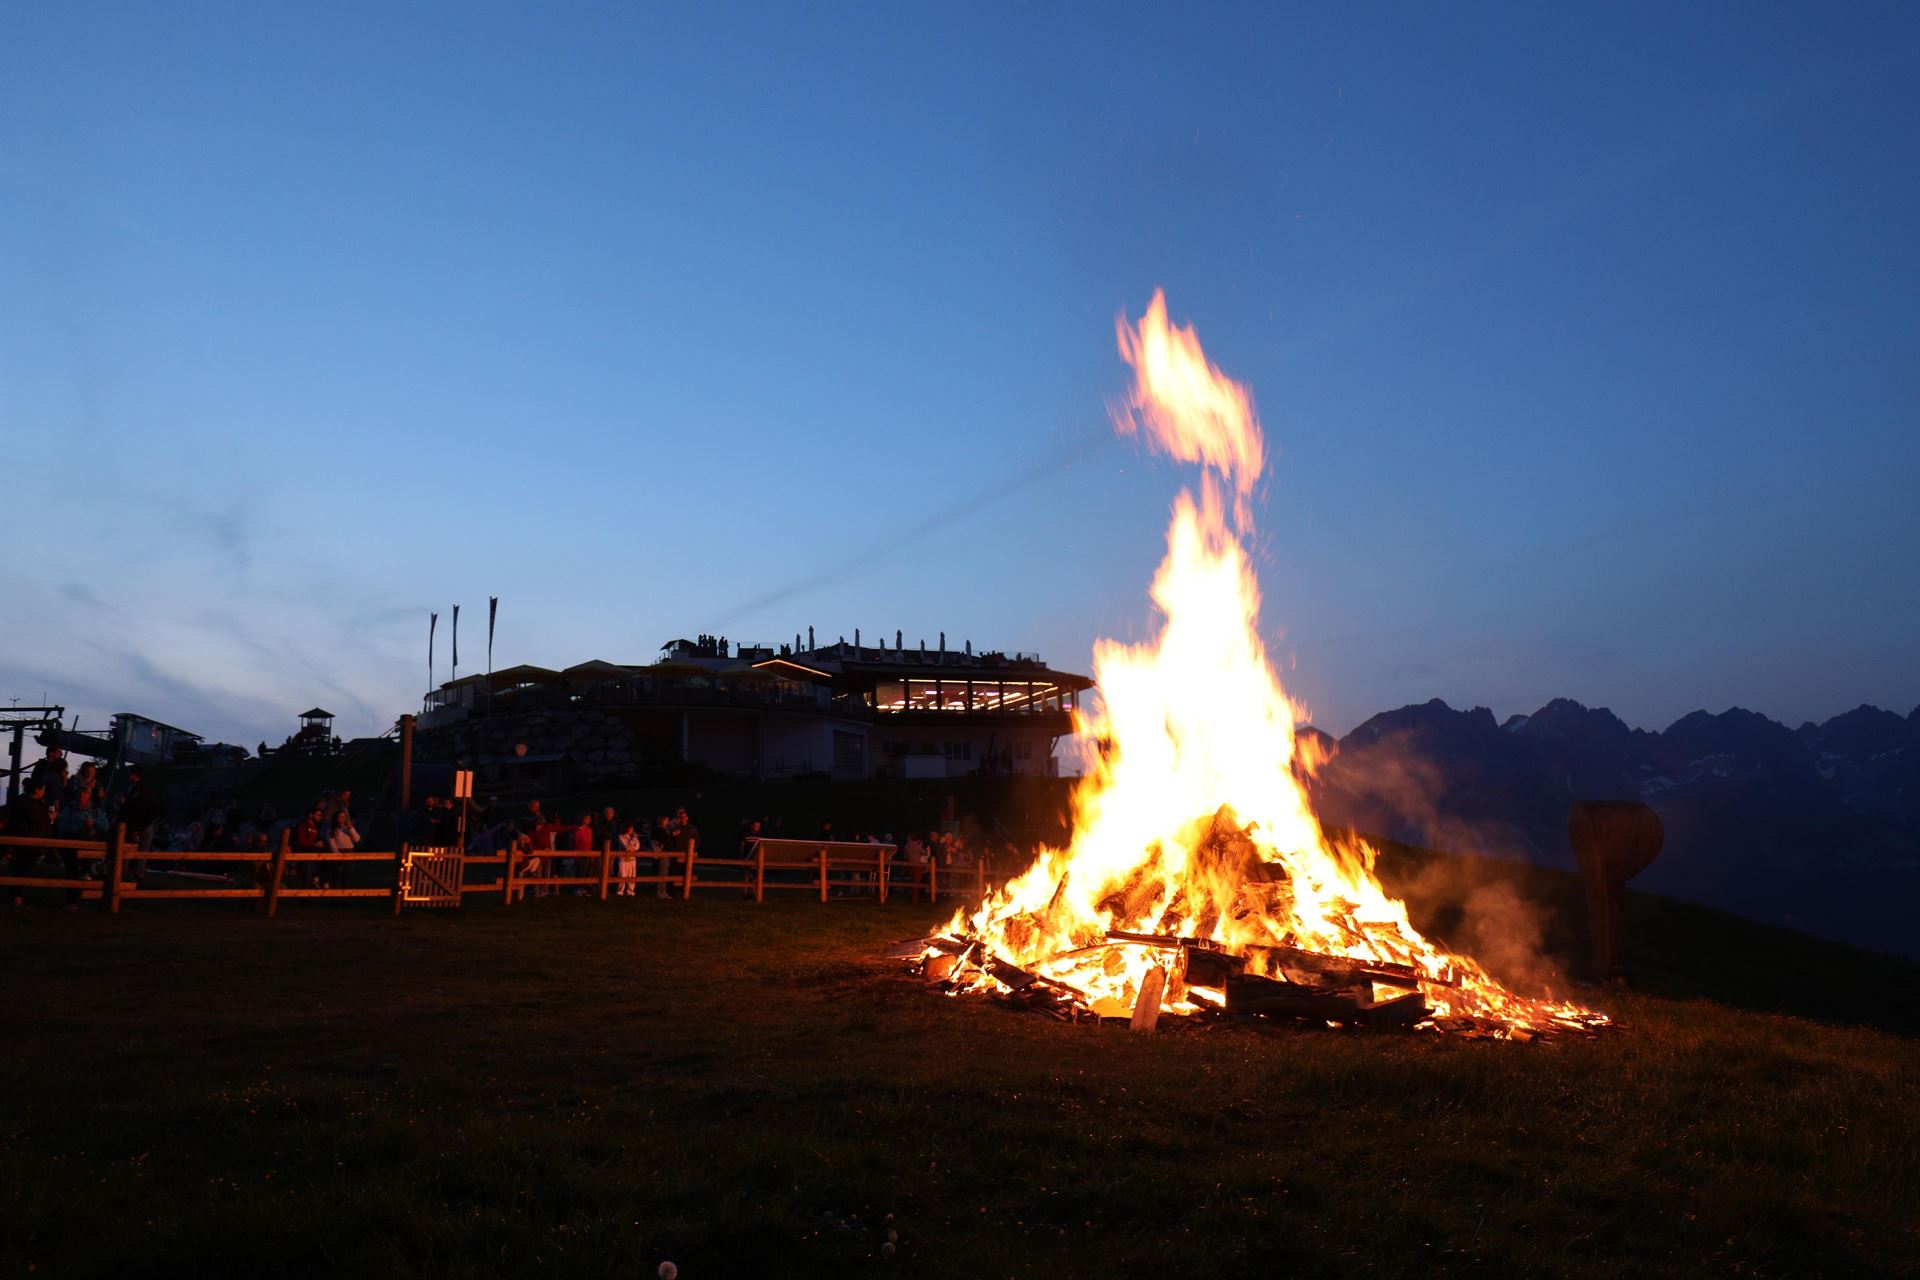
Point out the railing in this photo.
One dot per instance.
(121, 865)
(829, 868)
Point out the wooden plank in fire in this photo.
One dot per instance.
(1383, 971)
(943, 966)
(1007, 972)
(1401, 1011)
(1169, 940)
(1146, 1006)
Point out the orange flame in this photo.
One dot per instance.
(1193, 823)
(1188, 408)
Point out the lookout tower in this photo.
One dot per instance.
(315, 737)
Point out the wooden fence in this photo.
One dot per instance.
(443, 877)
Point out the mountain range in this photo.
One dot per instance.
(1817, 828)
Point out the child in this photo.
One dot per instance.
(526, 866)
(629, 844)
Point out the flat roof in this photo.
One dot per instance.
(131, 715)
(960, 673)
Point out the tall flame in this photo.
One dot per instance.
(1192, 821)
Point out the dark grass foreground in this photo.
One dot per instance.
(580, 1088)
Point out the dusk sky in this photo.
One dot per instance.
(1586, 339)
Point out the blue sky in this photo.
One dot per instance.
(1587, 340)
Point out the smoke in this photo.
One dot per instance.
(1477, 907)
(1399, 786)
(1394, 787)
(1507, 935)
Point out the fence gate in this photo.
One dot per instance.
(431, 878)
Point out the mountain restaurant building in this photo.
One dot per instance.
(840, 710)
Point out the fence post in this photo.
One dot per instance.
(880, 873)
(686, 885)
(277, 873)
(399, 876)
(759, 871)
(823, 875)
(933, 877)
(506, 874)
(606, 856)
(116, 854)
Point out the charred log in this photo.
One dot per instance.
(1250, 994)
(1209, 968)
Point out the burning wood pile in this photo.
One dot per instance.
(1254, 910)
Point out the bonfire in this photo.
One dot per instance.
(1198, 878)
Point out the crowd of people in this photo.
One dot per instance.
(86, 805)
(544, 845)
(548, 846)
(83, 805)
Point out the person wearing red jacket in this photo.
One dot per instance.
(308, 836)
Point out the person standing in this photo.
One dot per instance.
(309, 837)
(628, 842)
(51, 769)
(665, 841)
(335, 803)
(583, 844)
(77, 818)
(527, 865)
(139, 809)
(27, 816)
(342, 835)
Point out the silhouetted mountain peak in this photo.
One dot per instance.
(1814, 827)
(1735, 730)
(1563, 719)
(1431, 716)
(1861, 733)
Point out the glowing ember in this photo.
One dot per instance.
(1192, 831)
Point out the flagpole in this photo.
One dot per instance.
(433, 623)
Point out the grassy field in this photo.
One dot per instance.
(578, 1088)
